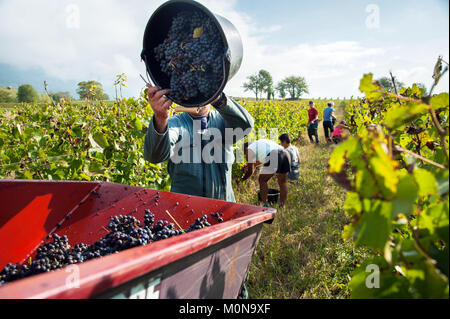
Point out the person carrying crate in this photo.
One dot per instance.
(166, 137)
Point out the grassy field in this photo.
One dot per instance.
(302, 254)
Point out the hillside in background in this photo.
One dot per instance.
(14, 77)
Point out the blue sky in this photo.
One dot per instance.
(331, 20)
(331, 43)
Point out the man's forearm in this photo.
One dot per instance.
(235, 115)
(161, 124)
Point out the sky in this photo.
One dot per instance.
(329, 42)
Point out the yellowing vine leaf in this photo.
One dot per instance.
(198, 32)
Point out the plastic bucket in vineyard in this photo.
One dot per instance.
(210, 263)
(272, 196)
(157, 30)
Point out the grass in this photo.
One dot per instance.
(302, 254)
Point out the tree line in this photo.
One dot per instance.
(262, 85)
(26, 93)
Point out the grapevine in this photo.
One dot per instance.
(80, 142)
(395, 169)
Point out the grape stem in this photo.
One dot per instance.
(419, 247)
(443, 133)
(48, 94)
(393, 83)
(175, 221)
(401, 149)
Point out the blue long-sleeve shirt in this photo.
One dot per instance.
(193, 176)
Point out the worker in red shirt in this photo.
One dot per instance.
(313, 124)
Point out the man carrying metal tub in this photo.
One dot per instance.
(205, 176)
(197, 135)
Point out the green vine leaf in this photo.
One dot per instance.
(427, 182)
(374, 226)
(407, 192)
(440, 101)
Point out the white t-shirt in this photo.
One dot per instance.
(262, 149)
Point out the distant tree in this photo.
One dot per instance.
(271, 94)
(253, 85)
(386, 83)
(58, 96)
(266, 82)
(27, 94)
(91, 90)
(259, 83)
(294, 85)
(281, 88)
(8, 95)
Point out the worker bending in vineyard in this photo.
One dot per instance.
(338, 134)
(275, 161)
(200, 173)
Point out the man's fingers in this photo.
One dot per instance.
(160, 94)
(167, 104)
(152, 90)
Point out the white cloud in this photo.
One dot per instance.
(109, 42)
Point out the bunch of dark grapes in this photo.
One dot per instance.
(219, 216)
(199, 224)
(126, 232)
(49, 257)
(192, 56)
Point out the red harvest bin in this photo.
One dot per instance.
(208, 263)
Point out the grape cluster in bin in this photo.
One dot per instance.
(125, 232)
